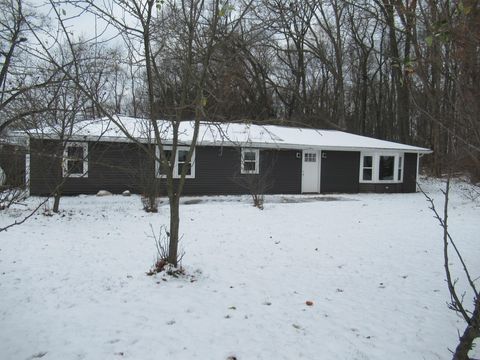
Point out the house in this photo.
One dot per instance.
(99, 155)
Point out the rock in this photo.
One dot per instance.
(104, 193)
(126, 193)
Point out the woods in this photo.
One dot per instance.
(398, 70)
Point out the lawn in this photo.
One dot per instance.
(74, 285)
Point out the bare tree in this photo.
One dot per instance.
(471, 317)
(200, 22)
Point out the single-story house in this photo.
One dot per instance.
(100, 156)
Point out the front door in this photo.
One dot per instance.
(310, 172)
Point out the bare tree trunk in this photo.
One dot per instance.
(469, 335)
(174, 230)
(56, 201)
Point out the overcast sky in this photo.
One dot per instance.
(79, 23)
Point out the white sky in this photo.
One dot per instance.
(81, 24)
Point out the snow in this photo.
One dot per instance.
(237, 134)
(73, 285)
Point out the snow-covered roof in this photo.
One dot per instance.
(214, 134)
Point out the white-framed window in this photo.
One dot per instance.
(75, 160)
(367, 168)
(250, 161)
(310, 157)
(180, 162)
(381, 167)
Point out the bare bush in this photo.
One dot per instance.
(257, 183)
(11, 196)
(161, 263)
(150, 202)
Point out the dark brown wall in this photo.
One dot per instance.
(12, 161)
(340, 172)
(381, 188)
(410, 173)
(217, 172)
(111, 166)
(118, 166)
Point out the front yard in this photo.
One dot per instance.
(73, 285)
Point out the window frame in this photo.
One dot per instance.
(175, 166)
(243, 171)
(362, 167)
(65, 160)
(398, 164)
(400, 168)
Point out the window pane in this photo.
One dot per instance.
(249, 166)
(400, 168)
(75, 166)
(182, 155)
(249, 155)
(386, 170)
(168, 154)
(367, 174)
(310, 157)
(180, 168)
(162, 169)
(367, 161)
(75, 152)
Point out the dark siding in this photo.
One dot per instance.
(45, 167)
(410, 174)
(217, 172)
(12, 161)
(340, 172)
(111, 166)
(381, 188)
(119, 166)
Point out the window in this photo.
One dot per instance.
(386, 168)
(250, 161)
(75, 160)
(162, 168)
(180, 163)
(310, 157)
(381, 167)
(367, 173)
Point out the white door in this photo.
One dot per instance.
(310, 172)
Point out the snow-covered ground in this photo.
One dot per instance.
(73, 286)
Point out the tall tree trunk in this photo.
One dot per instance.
(56, 201)
(174, 229)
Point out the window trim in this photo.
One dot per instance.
(362, 167)
(376, 167)
(401, 166)
(175, 166)
(65, 160)
(257, 161)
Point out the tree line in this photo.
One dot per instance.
(402, 70)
